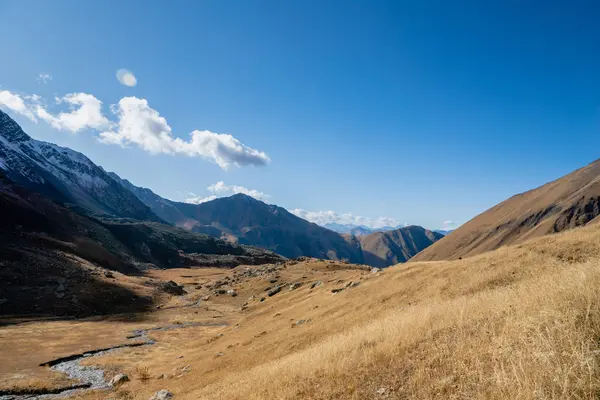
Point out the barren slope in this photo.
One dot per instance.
(565, 203)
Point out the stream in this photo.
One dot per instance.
(91, 377)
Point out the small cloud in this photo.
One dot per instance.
(449, 225)
(329, 217)
(18, 104)
(199, 199)
(220, 189)
(126, 77)
(225, 190)
(44, 77)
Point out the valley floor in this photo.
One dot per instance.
(521, 322)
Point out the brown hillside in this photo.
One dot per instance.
(565, 203)
(382, 249)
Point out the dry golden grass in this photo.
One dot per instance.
(519, 323)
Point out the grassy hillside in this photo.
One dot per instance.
(521, 322)
(566, 203)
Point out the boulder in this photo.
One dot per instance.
(172, 288)
(162, 395)
(118, 380)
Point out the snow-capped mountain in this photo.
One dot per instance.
(64, 175)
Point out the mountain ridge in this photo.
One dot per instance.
(567, 202)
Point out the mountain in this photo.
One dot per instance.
(64, 175)
(354, 230)
(248, 221)
(382, 249)
(54, 260)
(565, 203)
(253, 222)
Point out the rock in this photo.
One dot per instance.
(381, 391)
(273, 281)
(119, 379)
(205, 298)
(162, 395)
(262, 299)
(274, 291)
(375, 270)
(161, 376)
(220, 291)
(352, 284)
(295, 286)
(302, 321)
(109, 274)
(316, 284)
(334, 291)
(219, 354)
(172, 288)
(232, 292)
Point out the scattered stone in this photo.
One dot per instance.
(375, 270)
(316, 284)
(273, 281)
(219, 354)
(262, 299)
(205, 298)
(179, 356)
(161, 376)
(381, 391)
(295, 286)
(220, 291)
(162, 395)
(277, 315)
(118, 380)
(232, 292)
(334, 291)
(302, 321)
(352, 284)
(274, 291)
(109, 274)
(172, 288)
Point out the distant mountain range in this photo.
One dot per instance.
(568, 202)
(357, 230)
(73, 181)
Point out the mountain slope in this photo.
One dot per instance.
(249, 221)
(54, 260)
(565, 203)
(382, 249)
(64, 175)
(253, 222)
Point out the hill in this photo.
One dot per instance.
(563, 204)
(382, 249)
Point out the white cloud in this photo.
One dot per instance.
(199, 199)
(137, 124)
(143, 126)
(86, 112)
(222, 189)
(44, 77)
(328, 217)
(17, 104)
(449, 225)
(126, 78)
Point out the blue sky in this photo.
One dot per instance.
(421, 112)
